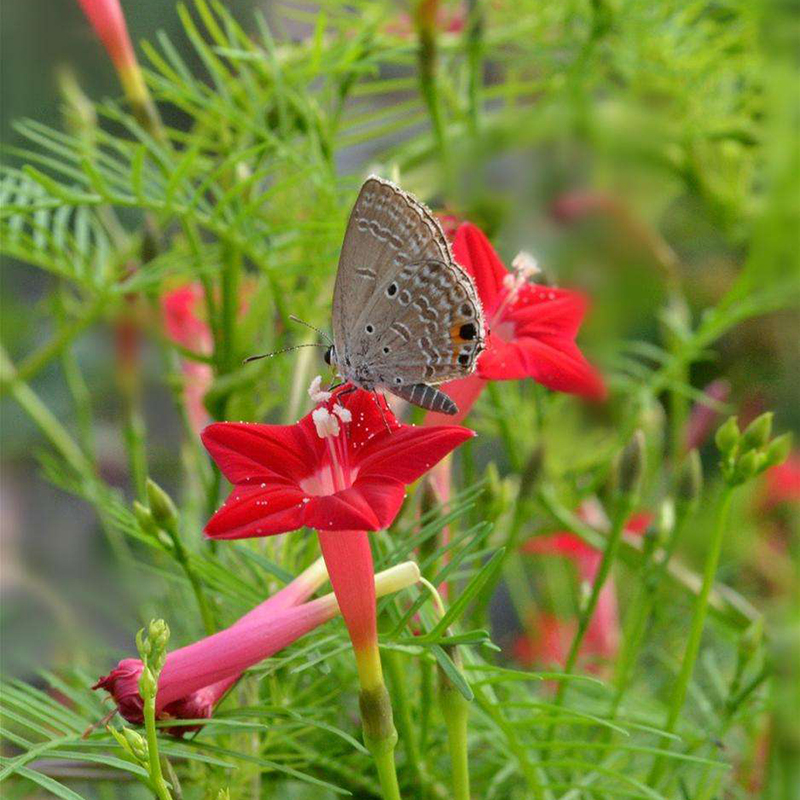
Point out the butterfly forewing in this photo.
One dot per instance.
(387, 229)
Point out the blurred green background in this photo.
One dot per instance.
(654, 143)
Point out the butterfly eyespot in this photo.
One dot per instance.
(369, 329)
(391, 290)
(467, 331)
(463, 359)
(398, 381)
(404, 297)
(386, 351)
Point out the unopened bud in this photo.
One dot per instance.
(690, 481)
(145, 519)
(629, 467)
(147, 683)
(161, 506)
(757, 433)
(143, 645)
(131, 742)
(136, 744)
(778, 450)
(727, 436)
(158, 636)
(748, 465)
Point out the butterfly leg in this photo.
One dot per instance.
(380, 408)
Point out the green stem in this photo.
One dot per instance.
(455, 708)
(474, 44)
(622, 511)
(387, 774)
(380, 736)
(135, 435)
(156, 776)
(696, 631)
(507, 433)
(182, 557)
(642, 606)
(230, 308)
(427, 58)
(407, 730)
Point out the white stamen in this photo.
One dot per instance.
(325, 423)
(525, 265)
(316, 393)
(510, 281)
(343, 414)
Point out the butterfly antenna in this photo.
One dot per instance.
(284, 350)
(324, 335)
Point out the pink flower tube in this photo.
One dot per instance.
(195, 677)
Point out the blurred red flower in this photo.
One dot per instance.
(180, 311)
(782, 483)
(704, 415)
(603, 633)
(343, 466)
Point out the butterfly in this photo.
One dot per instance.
(406, 317)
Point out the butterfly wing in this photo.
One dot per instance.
(427, 326)
(388, 229)
(404, 311)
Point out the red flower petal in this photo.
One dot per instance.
(351, 509)
(253, 453)
(639, 523)
(474, 252)
(553, 361)
(543, 309)
(409, 452)
(256, 511)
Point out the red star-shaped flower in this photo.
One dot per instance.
(342, 467)
(531, 328)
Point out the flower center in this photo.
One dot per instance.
(337, 474)
(525, 267)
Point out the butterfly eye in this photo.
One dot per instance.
(369, 329)
(328, 357)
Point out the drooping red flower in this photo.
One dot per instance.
(180, 312)
(603, 634)
(108, 22)
(196, 677)
(531, 328)
(545, 641)
(344, 466)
